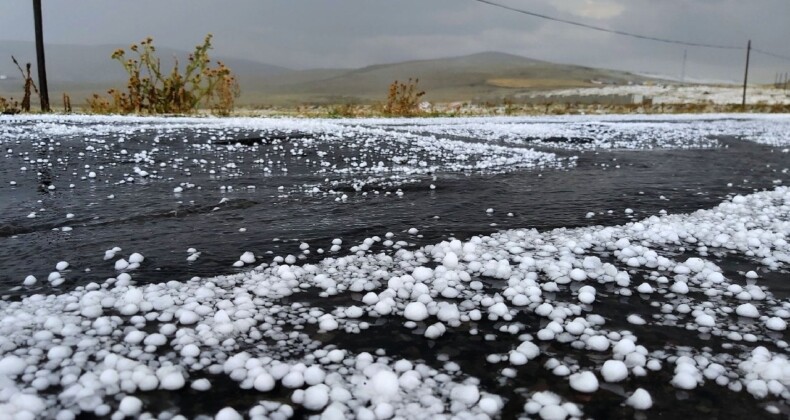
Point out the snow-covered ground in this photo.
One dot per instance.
(638, 132)
(369, 153)
(601, 134)
(577, 304)
(106, 342)
(675, 94)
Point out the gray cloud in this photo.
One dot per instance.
(352, 33)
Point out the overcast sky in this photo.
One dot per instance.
(353, 33)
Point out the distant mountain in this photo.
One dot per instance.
(487, 76)
(92, 63)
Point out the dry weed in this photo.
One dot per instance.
(403, 99)
(151, 91)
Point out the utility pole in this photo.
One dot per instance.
(42, 67)
(683, 72)
(746, 73)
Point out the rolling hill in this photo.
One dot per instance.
(487, 76)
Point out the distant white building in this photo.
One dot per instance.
(3, 77)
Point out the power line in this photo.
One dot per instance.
(783, 57)
(615, 31)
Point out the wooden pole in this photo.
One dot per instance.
(683, 72)
(42, 67)
(746, 73)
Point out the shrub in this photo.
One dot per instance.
(151, 91)
(347, 110)
(510, 108)
(29, 86)
(403, 99)
(66, 103)
(9, 106)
